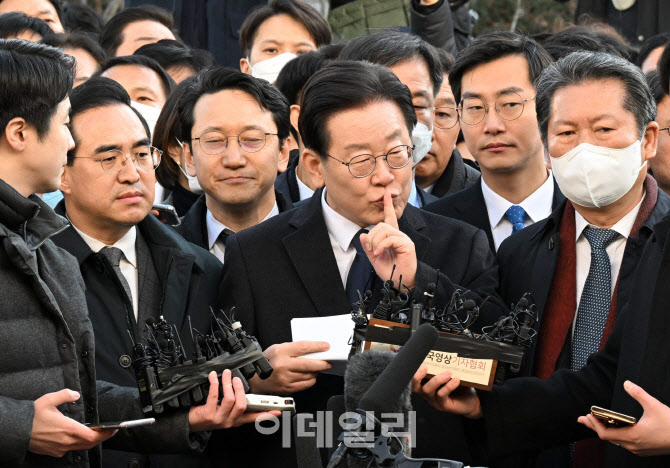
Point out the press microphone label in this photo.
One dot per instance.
(472, 372)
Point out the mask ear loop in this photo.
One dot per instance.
(183, 171)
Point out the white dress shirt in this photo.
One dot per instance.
(305, 191)
(614, 251)
(414, 198)
(341, 232)
(215, 228)
(429, 189)
(128, 263)
(537, 207)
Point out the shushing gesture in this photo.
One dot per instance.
(386, 246)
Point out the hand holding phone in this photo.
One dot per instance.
(611, 418)
(112, 426)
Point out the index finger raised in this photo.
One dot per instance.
(389, 211)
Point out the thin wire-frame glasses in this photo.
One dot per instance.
(114, 161)
(214, 143)
(509, 106)
(364, 164)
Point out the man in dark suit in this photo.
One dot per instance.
(492, 80)
(443, 171)
(580, 263)
(310, 261)
(135, 268)
(234, 128)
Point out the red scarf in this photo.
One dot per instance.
(561, 307)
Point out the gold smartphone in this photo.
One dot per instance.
(612, 418)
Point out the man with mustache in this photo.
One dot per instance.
(492, 81)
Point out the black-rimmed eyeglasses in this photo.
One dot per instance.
(364, 164)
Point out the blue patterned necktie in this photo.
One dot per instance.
(594, 304)
(516, 215)
(360, 271)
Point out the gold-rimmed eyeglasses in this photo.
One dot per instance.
(251, 141)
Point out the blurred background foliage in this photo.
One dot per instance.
(532, 16)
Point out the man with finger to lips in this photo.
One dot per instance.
(357, 119)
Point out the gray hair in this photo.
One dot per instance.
(580, 67)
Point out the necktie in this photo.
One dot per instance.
(594, 304)
(223, 237)
(114, 256)
(360, 271)
(516, 215)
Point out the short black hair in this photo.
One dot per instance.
(294, 75)
(82, 19)
(98, 91)
(663, 68)
(580, 67)
(649, 44)
(111, 36)
(654, 82)
(14, 23)
(166, 132)
(578, 38)
(390, 47)
(493, 46)
(167, 82)
(77, 40)
(35, 79)
(218, 79)
(446, 60)
(346, 85)
(315, 24)
(169, 53)
(57, 6)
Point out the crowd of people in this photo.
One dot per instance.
(306, 170)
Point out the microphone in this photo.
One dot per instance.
(378, 383)
(391, 383)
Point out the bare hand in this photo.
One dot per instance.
(291, 373)
(55, 434)
(443, 393)
(231, 411)
(386, 246)
(651, 434)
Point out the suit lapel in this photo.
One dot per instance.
(312, 256)
(474, 211)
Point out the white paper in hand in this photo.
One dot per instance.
(336, 330)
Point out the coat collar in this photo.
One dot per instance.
(30, 216)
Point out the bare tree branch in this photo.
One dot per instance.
(517, 14)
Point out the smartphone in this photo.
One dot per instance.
(167, 214)
(612, 418)
(110, 426)
(269, 403)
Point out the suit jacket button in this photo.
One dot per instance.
(551, 243)
(125, 361)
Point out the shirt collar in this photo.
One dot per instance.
(623, 226)
(215, 227)
(340, 228)
(303, 190)
(537, 205)
(414, 198)
(126, 244)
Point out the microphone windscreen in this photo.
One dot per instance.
(389, 386)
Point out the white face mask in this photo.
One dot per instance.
(149, 113)
(193, 184)
(422, 137)
(269, 69)
(595, 176)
